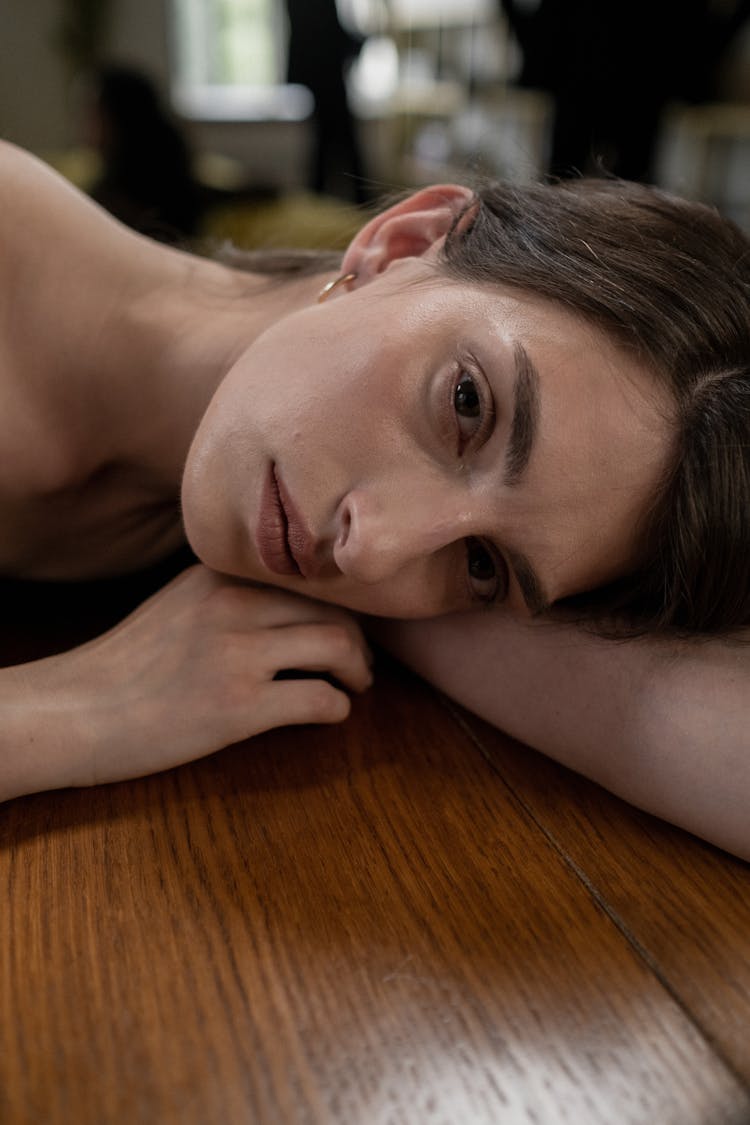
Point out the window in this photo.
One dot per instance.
(229, 61)
(230, 55)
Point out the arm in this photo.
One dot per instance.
(665, 725)
(191, 670)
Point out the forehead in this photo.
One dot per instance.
(578, 362)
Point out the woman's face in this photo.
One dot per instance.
(419, 445)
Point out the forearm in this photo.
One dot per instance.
(42, 744)
(666, 726)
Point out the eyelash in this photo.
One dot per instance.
(485, 421)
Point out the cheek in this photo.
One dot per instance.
(278, 386)
(426, 587)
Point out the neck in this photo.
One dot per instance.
(164, 352)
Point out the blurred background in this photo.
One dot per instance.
(280, 121)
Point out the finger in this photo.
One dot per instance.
(261, 606)
(333, 649)
(292, 702)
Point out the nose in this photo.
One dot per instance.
(379, 536)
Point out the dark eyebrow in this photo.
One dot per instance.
(536, 600)
(523, 425)
(523, 429)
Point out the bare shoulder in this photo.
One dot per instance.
(25, 179)
(70, 276)
(28, 187)
(41, 213)
(18, 165)
(59, 256)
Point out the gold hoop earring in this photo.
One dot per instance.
(343, 279)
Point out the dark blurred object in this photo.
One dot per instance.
(612, 67)
(82, 31)
(320, 49)
(146, 180)
(41, 618)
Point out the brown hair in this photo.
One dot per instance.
(669, 279)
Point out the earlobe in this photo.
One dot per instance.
(406, 230)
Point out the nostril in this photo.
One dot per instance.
(345, 527)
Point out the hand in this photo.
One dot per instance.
(190, 671)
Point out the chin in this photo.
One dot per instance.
(203, 538)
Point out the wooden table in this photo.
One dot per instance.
(405, 919)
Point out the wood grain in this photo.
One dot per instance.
(373, 923)
(682, 902)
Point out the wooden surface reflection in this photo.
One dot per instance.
(409, 918)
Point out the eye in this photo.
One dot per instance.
(471, 413)
(467, 404)
(484, 573)
(466, 397)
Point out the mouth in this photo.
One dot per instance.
(273, 533)
(285, 543)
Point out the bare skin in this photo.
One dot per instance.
(663, 724)
(93, 439)
(190, 671)
(121, 360)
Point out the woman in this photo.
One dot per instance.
(506, 410)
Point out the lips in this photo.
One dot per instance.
(285, 542)
(273, 529)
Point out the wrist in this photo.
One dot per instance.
(42, 744)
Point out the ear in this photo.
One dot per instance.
(406, 230)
